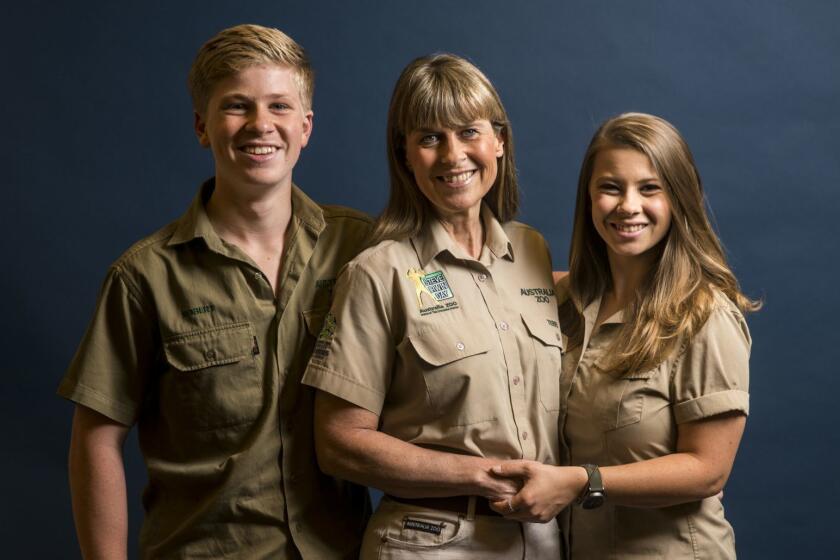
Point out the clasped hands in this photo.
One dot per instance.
(543, 490)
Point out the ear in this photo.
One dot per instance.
(500, 143)
(307, 128)
(200, 128)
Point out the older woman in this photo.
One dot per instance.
(441, 355)
(657, 368)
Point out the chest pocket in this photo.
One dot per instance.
(213, 380)
(547, 350)
(459, 381)
(624, 397)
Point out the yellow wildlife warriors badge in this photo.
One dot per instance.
(434, 287)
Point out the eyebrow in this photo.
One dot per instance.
(610, 177)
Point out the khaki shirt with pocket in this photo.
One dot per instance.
(613, 420)
(452, 353)
(189, 342)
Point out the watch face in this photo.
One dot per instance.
(593, 500)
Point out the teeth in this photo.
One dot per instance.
(459, 178)
(258, 150)
(629, 228)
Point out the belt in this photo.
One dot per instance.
(457, 504)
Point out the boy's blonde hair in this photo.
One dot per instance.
(237, 48)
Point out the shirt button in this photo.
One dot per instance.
(503, 326)
(516, 380)
(460, 346)
(258, 276)
(482, 277)
(210, 355)
(524, 435)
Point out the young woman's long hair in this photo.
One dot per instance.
(677, 297)
(441, 90)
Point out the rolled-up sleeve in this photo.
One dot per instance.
(711, 376)
(354, 354)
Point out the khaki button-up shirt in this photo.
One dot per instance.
(189, 342)
(454, 353)
(614, 420)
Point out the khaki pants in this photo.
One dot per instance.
(403, 531)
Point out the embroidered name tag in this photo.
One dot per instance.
(425, 526)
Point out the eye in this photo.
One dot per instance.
(609, 188)
(469, 133)
(429, 139)
(234, 107)
(650, 188)
(279, 106)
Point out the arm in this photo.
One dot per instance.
(350, 446)
(558, 275)
(699, 469)
(97, 485)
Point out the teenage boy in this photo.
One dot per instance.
(201, 334)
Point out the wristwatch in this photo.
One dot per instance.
(594, 494)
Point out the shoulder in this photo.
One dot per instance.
(384, 255)
(724, 335)
(348, 226)
(725, 319)
(145, 252)
(334, 214)
(520, 231)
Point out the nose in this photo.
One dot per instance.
(452, 150)
(260, 121)
(630, 203)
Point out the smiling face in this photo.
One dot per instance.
(455, 167)
(630, 209)
(256, 125)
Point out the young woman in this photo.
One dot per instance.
(442, 354)
(656, 370)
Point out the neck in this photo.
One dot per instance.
(628, 275)
(250, 217)
(466, 230)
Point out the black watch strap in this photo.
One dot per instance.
(594, 494)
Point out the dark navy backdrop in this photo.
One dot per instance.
(98, 151)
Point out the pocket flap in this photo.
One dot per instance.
(540, 328)
(447, 344)
(195, 350)
(603, 361)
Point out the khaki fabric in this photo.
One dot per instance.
(452, 353)
(400, 531)
(614, 420)
(189, 342)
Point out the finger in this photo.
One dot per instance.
(511, 468)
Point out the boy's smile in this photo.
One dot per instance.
(256, 125)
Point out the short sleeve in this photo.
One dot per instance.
(109, 371)
(711, 376)
(354, 354)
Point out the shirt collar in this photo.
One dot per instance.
(590, 314)
(433, 239)
(195, 223)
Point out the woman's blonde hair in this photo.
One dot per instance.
(433, 91)
(678, 295)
